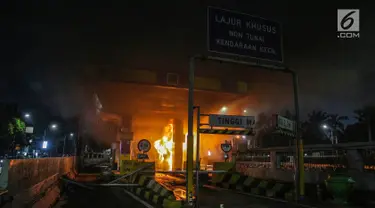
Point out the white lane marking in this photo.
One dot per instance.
(138, 199)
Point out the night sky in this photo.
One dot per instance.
(47, 46)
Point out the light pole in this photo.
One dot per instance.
(332, 133)
(71, 136)
(50, 127)
(332, 136)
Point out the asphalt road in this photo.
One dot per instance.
(213, 198)
(100, 197)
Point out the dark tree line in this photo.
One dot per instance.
(320, 127)
(12, 134)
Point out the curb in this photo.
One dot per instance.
(5, 198)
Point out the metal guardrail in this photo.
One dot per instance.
(132, 173)
(347, 146)
(358, 155)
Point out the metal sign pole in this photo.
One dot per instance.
(299, 179)
(197, 158)
(190, 137)
(300, 169)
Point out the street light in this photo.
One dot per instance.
(223, 109)
(71, 134)
(245, 111)
(45, 144)
(331, 132)
(27, 115)
(51, 127)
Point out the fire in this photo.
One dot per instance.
(164, 147)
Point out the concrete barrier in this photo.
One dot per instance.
(33, 181)
(151, 191)
(256, 186)
(219, 178)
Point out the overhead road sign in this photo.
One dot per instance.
(227, 131)
(284, 125)
(235, 33)
(232, 121)
(283, 132)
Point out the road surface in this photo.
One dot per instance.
(100, 197)
(213, 198)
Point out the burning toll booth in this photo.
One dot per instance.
(170, 146)
(159, 115)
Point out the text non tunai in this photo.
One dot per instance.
(247, 36)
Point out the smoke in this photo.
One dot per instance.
(64, 92)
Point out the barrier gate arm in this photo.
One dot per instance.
(132, 173)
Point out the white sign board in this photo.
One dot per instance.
(29, 130)
(231, 121)
(284, 123)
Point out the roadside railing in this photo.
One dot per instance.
(316, 157)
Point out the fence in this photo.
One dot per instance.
(18, 175)
(357, 159)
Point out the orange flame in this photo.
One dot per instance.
(164, 147)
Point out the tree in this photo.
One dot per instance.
(12, 132)
(287, 114)
(316, 117)
(16, 126)
(356, 132)
(366, 115)
(312, 128)
(335, 122)
(16, 131)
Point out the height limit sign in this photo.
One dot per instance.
(239, 34)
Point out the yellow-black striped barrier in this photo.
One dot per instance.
(278, 190)
(247, 184)
(254, 185)
(234, 179)
(156, 194)
(226, 131)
